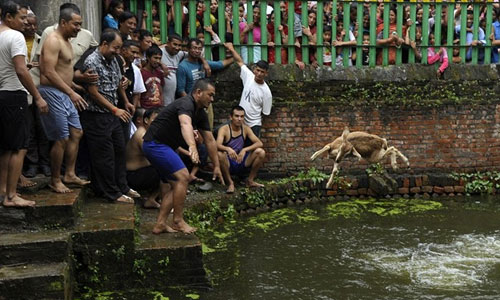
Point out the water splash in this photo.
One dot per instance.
(464, 262)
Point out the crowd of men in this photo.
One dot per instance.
(120, 115)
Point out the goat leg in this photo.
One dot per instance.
(319, 152)
(329, 184)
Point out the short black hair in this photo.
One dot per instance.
(202, 84)
(153, 50)
(174, 36)
(139, 113)
(144, 33)
(237, 107)
(9, 7)
(125, 16)
(67, 14)
(130, 43)
(262, 64)
(193, 40)
(70, 5)
(108, 36)
(150, 111)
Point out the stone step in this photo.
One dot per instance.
(44, 281)
(52, 211)
(103, 244)
(172, 258)
(34, 247)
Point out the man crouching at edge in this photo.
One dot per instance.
(173, 127)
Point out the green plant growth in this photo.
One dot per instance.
(479, 182)
(377, 169)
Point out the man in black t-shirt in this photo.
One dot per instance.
(173, 128)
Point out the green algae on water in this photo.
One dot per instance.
(356, 207)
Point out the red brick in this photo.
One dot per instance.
(418, 181)
(352, 192)
(438, 189)
(406, 182)
(427, 189)
(404, 190)
(459, 189)
(449, 189)
(362, 191)
(415, 190)
(331, 192)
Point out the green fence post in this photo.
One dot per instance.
(399, 30)
(291, 36)
(359, 38)
(221, 22)
(487, 50)
(277, 33)
(475, 32)
(319, 33)
(437, 27)
(133, 6)
(163, 21)
(451, 32)
(463, 31)
(178, 17)
(236, 26)
(373, 33)
(304, 18)
(413, 17)
(208, 38)
(249, 43)
(385, 51)
(347, 30)
(191, 18)
(425, 31)
(148, 7)
(263, 30)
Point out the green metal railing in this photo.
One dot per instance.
(318, 48)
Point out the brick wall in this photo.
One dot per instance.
(456, 130)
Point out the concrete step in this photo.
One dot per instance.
(103, 245)
(34, 247)
(44, 281)
(52, 210)
(172, 258)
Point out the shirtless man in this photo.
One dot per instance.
(62, 124)
(140, 174)
(234, 157)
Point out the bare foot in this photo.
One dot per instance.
(133, 194)
(182, 226)
(59, 187)
(254, 184)
(160, 228)
(17, 201)
(75, 180)
(25, 182)
(195, 179)
(151, 203)
(230, 189)
(125, 199)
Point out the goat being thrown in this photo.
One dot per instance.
(370, 147)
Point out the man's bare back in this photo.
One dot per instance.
(134, 156)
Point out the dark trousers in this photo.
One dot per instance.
(106, 145)
(39, 147)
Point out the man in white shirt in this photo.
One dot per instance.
(171, 57)
(15, 81)
(256, 98)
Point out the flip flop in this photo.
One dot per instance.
(207, 186)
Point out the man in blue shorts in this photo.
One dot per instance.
(62, 123)
(234, 157)
(173, 128)
(14, 82)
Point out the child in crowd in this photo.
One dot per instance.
(116, 8)
(441, 55)
(152, 75)
(156, 32)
